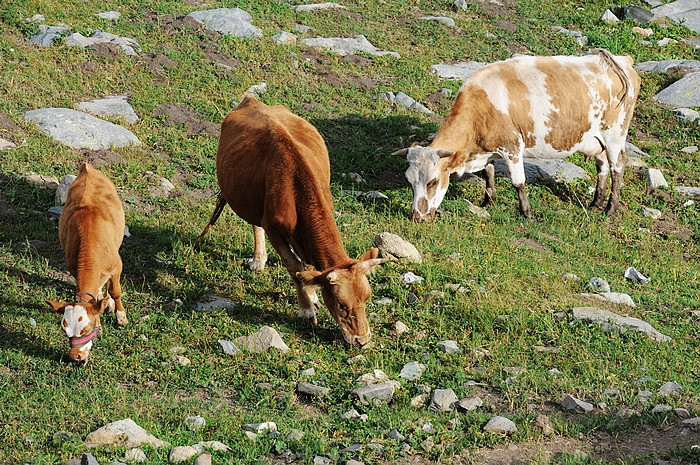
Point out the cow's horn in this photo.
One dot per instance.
(400, 153)
(444, 153)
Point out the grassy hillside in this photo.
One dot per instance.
(511, 268)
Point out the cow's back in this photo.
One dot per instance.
(266, 155)
(92, 218)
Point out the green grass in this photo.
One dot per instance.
(513, 292)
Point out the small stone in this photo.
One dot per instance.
(655, 178)
(449, 347)
(554, 372)
(135, 455)
(632, 274)
(260, 427)
(399, 328)
(313, 390)
(257, 89)
(374, 393)
(109, 15)
(428, 427)
(599, 284)
(284, 38)
(195, 422)
(321, 460)
(265, 339)
(394, 434)
(547, 350)
(670, 388)
(203, 459)
(209, 302)
(308, 372)
(609, 17)
(661, 408)
(419, 400)
(625, 413)
(579, 406)
(690, 149)
(384, 301)
(686, 114)
(645, 396)
(611, 392)
(681, 412)
(353, 414)
(295, 435)
(229, 347)
(653, 213)
(412, 371)
(250, 435)
(500, 425)
(411, 298)
(570, 277)
(470, 403)
(692, 421)
(356, 360)
(409, 278)
(181, 454)
(375, 377)
(443, 400)
(644, 32)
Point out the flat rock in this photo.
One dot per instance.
(123, 431)
(599, 284)
(109, 15)
(210, 302)
(665, 66)
(393, 246)
(443, 400)
(135, 455)
(44, 182)
(319, 6)
(374, 377)
(688, 191)
(449, 347)
(683, 93)
(80, 130)
(62, 190)
(214, 446)
(470, 403)
(127, 45)
(547, 172)
(613, 321)
(374, 393)
(203, 459)
(458, 72)
(181, 454)
(265, 339)
(686, 114)
(635, 275)
(613, 297)
(681, 11)
(410, 277)
(48, 34)
(477, 211)
(313, 390)
(572, 403)
(412, 371)
(259, 428)
(347, 46)
(500, 425)
(449, 22)
(229, 21)
(117, 106)
(228, 347)
(670, 388)
(639, 14)
(407, 101)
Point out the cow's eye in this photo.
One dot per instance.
(432, 187)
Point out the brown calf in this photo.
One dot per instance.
(91, 229)
(273, 170)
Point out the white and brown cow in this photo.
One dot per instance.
(273, 170)
(91, 229)
(530, 107)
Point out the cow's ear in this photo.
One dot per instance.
(101, 305)
(56, 306)
(310, 279)
(458, 159)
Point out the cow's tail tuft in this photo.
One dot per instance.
(609, 60)
(220, 204)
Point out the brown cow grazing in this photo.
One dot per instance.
(530, 107)
(91, 229)
(273, 170)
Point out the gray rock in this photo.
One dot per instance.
(572, 403)
(203, 459)
(449, 22)
(109, 15)
(633, 149)
(395, 434)
(7, 144)
(449, 347)
(318, 6)
(554, 372)
(688, 191)
(48, 34)
(500, 425)
(110, 106)
(344, 47)
(210, 302)
(135, 455)
(374, 377)
(613, 321)
(599, 284)
(374, 393)
(547, 172)
(576, 35)
(683, 93)
(258, 89)
(645, 396)
(285, 38)
(609, 17)
(653, 213)
(353, 462)
(127, 45)
(409, 278)
(195, 422)
(43, 182)
(665, 41)
(37, 18)
(633, 274)
(398, 328)
(626, 413)
(412, 371)
(62, 189)
(477, 211)
(88, 459)
(692, 421)
(670, 388)
(260, 428)
(686, 114)
(313, 390)
(295, 435)
(681, 11)
(639, 14)
(690, 149)
(55, 211)
(214, 446)
(228, 347)
(356, 360)
(458, 72)
(123, 431)
(406, 101)
(470, 403)
(443, 400)
(308, 372)
(392, 246)
(655, 178)
(661, 408)
(265, 339)
(681, 413)
(666, 65)
(614, 297)
(80, 130)
(353, 414)
(229, 21)
(181, 454)
(321, 460)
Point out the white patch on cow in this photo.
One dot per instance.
(75, 319)
(496, 91)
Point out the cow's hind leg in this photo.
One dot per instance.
(490, 194)
(618, 170)
(602, 168)
(308, 301)
(257, 263)
(115, 291)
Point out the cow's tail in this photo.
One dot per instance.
(609, 60)
(220, 204)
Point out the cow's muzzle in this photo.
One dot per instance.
(418, 217)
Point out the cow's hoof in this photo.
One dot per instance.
(255, 265)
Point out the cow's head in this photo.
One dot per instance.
(81, 323)
(429, 174)
(345, 292)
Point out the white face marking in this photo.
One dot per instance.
(75, 319)
(423, 171)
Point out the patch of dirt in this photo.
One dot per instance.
(106, 51)
(102, 158)
(507, 25)
(667, 228)
(439, 102)
(356, 60)
(314, 57)
(7, 125)
(192, 120)
(159, 64)
(5, 208)
(524, 242)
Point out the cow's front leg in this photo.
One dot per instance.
(308, 301)
(115, 291)
(257, 263)
(516, 169)
(602, 169)
(490, 194)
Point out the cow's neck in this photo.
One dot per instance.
(318, 240)
(456, 133)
